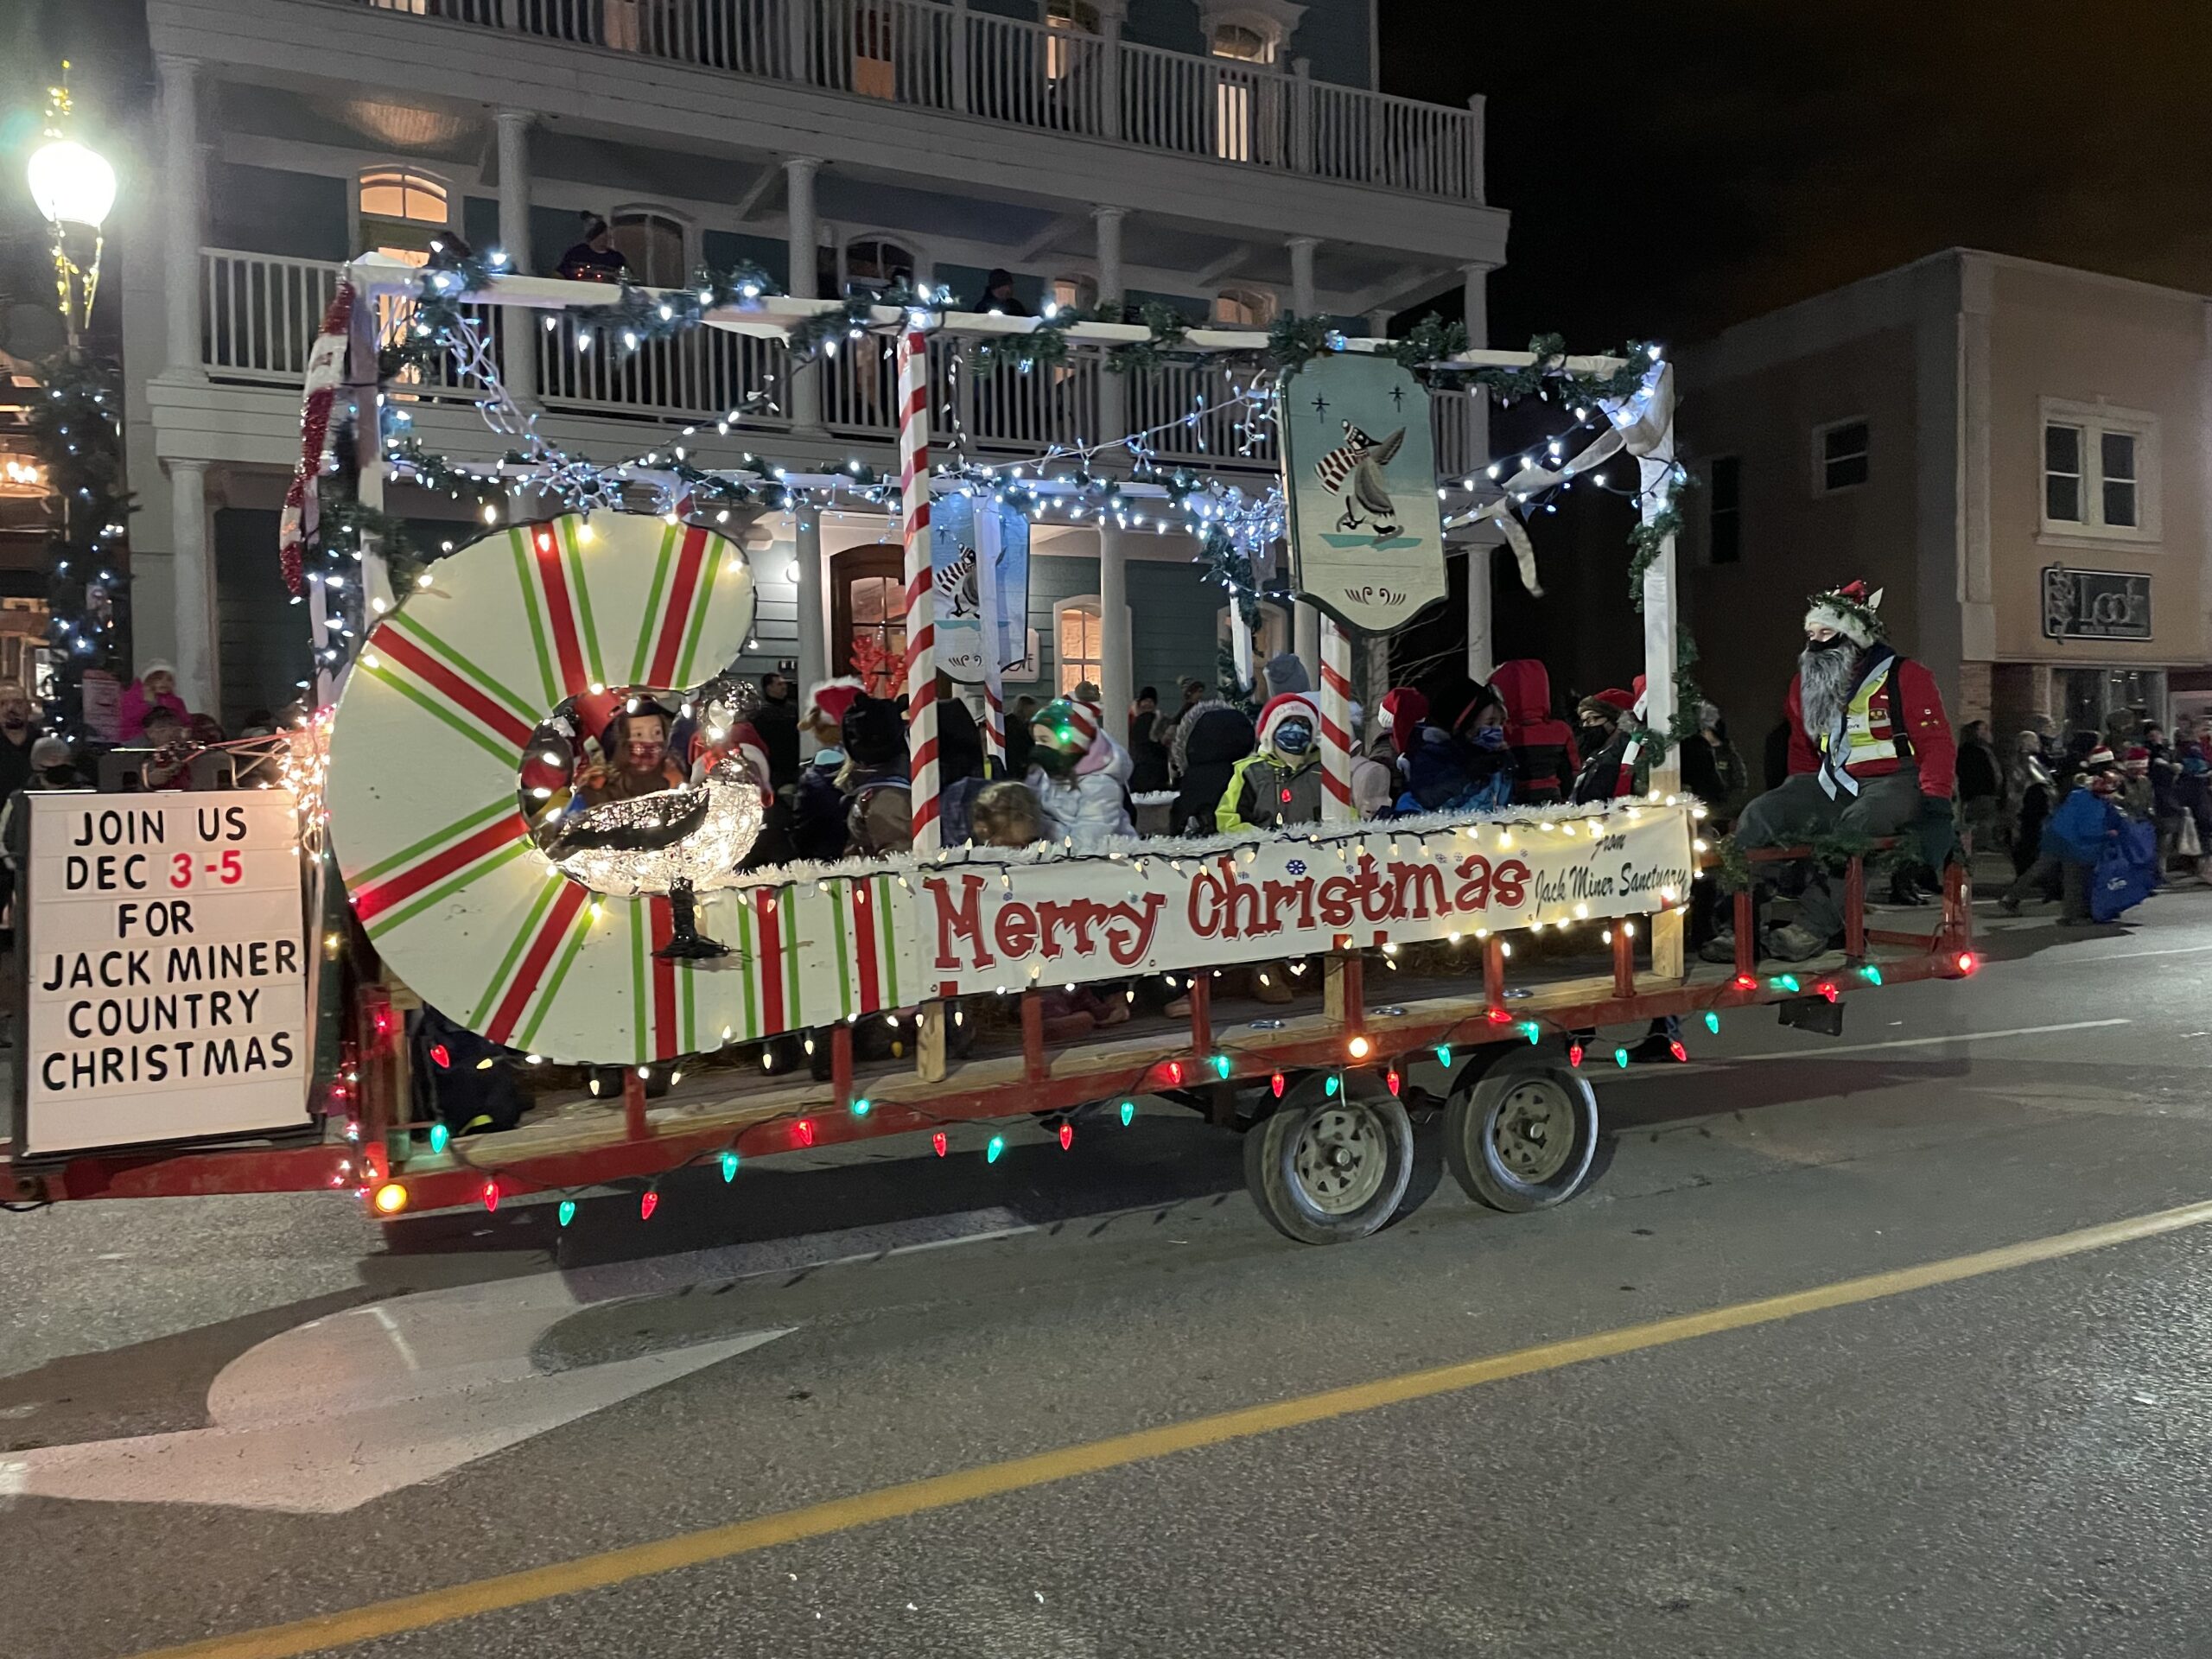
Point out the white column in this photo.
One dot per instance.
(1109, 77)
(193, 572)
(1305, 621)
(1477, 186)
(801, 237)
(1113, 388)
(518, 328)
(1482, 648)
(184, 190)
(813, 614)
(1114, 687)
(1301, 274)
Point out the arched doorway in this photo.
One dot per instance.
(867, 615)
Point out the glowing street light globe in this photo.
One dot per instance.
(71, 184)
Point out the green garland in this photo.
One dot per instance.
(76, 431)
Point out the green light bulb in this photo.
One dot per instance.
(1620, 1058)
(1713, 1022)
(1531, 1030)
(1331, 1087)
(991, 1153)
(1221, 1067)
(862, 1106)
(1786, 981)
(438, 1135)
(729, 1166)
(1873, 974)
(1444, 1053)
(1128, 1113)
(568, 1211)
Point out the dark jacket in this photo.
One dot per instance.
(778, 724)
(1714, 772)
(1219, 739)
(1543, 747)
(1977, 775)
(1147, 754)
(817, 818)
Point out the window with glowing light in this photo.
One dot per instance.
(1080, 634)
(1066, 17)
(1244, 308)
(867, 615)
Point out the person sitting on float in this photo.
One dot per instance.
(1079, 775)
(1476, 775)
(636, 759)
(1279, 782)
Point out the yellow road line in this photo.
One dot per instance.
(616, 1567)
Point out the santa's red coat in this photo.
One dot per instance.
(1909, 703)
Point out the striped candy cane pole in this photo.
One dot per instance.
(1336, 722)
(988, 531)
(921, 625)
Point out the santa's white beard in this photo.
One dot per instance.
(1824, 680)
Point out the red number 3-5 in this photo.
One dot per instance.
(180, 869)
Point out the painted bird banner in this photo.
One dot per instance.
(963, 532)
(1367, 543)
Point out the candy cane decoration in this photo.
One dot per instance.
(921, 625)
(1336, 722)
(989, 533)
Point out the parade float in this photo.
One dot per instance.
(405, 852)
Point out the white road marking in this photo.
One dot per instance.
(326, 1416)
(2067, 959)
(1822, 1053)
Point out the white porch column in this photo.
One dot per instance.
(184, 189)
(802, 238)
(1114, 687)
(518, 329)
(1306, 621)
(813, 613)
(1301, 273)
(1113, 388)
(1482, 646)
(193, 572)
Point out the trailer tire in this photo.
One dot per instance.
(1523, 1135)
(1325, 1170)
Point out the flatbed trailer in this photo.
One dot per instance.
(1324, 1097)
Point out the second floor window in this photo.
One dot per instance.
(2096, 471)
(873, 264)
(1082, 645)
(1840, 456)
(1724, 523)
(1072, 17)
(1243, 308)
(654, 245)
(1242, 42)
(400, 212)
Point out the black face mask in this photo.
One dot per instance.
(1053, 763)
(1836, 643)
(1596, 736)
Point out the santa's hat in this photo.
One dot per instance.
(1073, 722)
(2100, 756)
(1612, 702)
(1850, 610)
(2138, 761)
(828, 700)
(1403, 710)
(1289, 705)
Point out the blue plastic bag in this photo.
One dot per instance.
(2126, 871)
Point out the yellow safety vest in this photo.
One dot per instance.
(1868, 735)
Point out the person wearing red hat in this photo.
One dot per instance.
(1279, 782)
(636, 760)
(819, 829)
(1613, 743)
(1870, 751)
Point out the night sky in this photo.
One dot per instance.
(1672, 169)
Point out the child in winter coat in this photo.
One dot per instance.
(155, 688)
(1079, 775)
(1279, 782)
(818, 803)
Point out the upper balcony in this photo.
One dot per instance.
(930, 55)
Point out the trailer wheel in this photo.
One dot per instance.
(1523, 1135)
(1325, 1169)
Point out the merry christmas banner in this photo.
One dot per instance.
(993, 926)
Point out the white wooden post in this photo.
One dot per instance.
(517, 328)
(813, 620)
(1661, 632)
(183, 187)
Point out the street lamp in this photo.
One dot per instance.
(74, 187)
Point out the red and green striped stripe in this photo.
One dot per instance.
(414, 878)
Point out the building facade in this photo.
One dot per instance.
(2018, 455)
(1230, 157)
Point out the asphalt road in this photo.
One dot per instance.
(1740, 1414)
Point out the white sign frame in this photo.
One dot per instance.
(180, 912)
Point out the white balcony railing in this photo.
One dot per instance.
(944, 56)
(261, 313)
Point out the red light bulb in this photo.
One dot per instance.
(491, 1195)
(647, 1204)
(1967, 964)
(1174, 1071)
(938, 1143)
(438, 1054)
(804, 1129)
(1746, 983)
(1825, 990)
(1574, 1053)
(1067, 1136)
(1675, 1047)
(1276, 1083)
(1500, 1017)
(1392, 1078)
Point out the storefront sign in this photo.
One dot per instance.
(1359, 473)
(2096, 604)
(964, 534)
(166, 969)
(987, 927)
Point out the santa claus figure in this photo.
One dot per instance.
(1870, 751)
